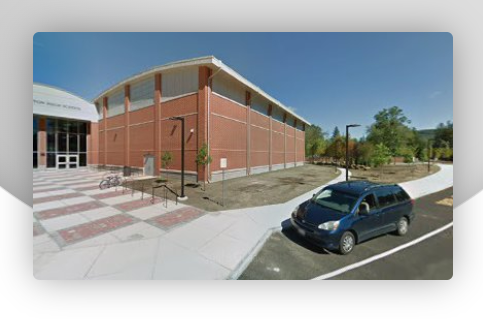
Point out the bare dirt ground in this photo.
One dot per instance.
(256, 190)
(393, 174)
(275, 187)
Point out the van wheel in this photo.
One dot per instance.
(402, 226)
(347, 243)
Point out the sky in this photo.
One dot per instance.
(330, 79)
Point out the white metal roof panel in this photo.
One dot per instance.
(54, 102)
(213, 62)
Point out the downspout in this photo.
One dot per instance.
(210, 80)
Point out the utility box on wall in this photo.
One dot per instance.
(149, 165)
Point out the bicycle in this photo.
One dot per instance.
(110, 181)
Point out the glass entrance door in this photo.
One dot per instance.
(67, 161)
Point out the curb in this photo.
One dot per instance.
(243, 265)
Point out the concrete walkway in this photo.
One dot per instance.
(214, 246)
(432, 183)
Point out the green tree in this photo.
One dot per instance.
(417, 144)
(391, 129)
(363, 153)
(424, 155)
(166, 161)
(203, 158)
(314, 141)
(381, 156)
(407, 153)
(335, 134)
(336, 149)
(443, 136)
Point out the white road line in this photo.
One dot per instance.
(382, 255)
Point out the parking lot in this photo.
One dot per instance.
(287, 256)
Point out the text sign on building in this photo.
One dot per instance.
(223, 163)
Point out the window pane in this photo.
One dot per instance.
(401, 195)
(369, 202)
(82, 128)
(386, 198)
(73, 145)
(62, 142)
(50, 159)
(51, 125)
(50, 142)
(73, 127)
(82, 143)
(82, 159)
(35, 139)
(63, 126)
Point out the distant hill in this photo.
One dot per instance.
(427, 134)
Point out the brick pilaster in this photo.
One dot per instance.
(127, 140)
(248, 103)
(203, 93)
(42, 142)
(285, 140)
(104, 117)
(270, 142)
(157, 122)
(295, 141)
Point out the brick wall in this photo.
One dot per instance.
(93, 144)
(228, 136)
(259, 140)
(171, 131)
(232, 127)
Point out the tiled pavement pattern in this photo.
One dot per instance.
(70, 206)
(82, 232)
(114, 235)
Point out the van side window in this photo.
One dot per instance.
(369, 202)
(385, 197)
(401, 195)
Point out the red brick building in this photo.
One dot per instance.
(233, 117)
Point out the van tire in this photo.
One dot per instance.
(402, 226)
(347, 243)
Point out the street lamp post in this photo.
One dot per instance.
(347, 150)
(179, 118)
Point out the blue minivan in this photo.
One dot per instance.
(344, 214)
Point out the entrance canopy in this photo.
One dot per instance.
(53, 102)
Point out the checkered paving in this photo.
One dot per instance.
(70, 210)
(95, 228)
(176, 218)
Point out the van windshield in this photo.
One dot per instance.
(335, 200)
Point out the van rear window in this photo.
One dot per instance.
(385, 198)
(401, 195)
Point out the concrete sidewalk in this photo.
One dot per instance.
(430, 184)
(214, 246)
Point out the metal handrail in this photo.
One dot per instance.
(166, 189)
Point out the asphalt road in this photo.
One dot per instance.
(288, 256)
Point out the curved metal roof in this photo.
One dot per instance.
(213, 63)
(56, 102)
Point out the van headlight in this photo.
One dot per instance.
(329, 226)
